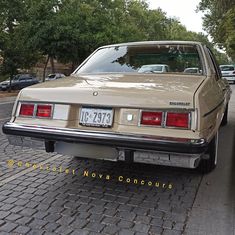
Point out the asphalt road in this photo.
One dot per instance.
(44, 193)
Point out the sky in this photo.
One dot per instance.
(183, 10)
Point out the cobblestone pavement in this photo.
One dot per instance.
(43, 193)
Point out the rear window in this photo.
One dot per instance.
(152, 58)
(227, 68)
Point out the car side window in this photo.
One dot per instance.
(216, 66)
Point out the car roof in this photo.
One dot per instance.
(227, 65)
(24, 75)
(55, 74)
(154, 65)
(152, 43)
(191, 68)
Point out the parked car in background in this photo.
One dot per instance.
(18, 82)
(108, 110)
(54, 76)
(192, 70)
(154, 68)
(228, 72)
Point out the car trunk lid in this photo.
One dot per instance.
(118, 90)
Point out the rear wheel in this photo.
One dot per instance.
(225, 117)
(209, 163)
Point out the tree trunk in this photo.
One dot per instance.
(11, 78)
(73, 67)
(45, 67)
(52, 64)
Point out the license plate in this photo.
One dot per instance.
(96, 117)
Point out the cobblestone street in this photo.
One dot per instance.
(43, 193)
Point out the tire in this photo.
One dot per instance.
(207, 165)
(225, 117)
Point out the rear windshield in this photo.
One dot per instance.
(144, 59)
(227, 68)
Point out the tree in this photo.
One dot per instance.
(219, 22)
(39, 28)
(12, 48)
(69, 30)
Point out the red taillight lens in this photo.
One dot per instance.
(44, 111)
(26, 110)
(180, 120)
(151, 118)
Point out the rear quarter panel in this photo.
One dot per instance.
(210, 101)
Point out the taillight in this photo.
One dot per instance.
(27, 110)
(44, 111)
(179, 120)
(151, 118)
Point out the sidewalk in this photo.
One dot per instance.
(213, 211)
(8, 97)
(4, 94)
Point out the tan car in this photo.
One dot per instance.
(109, 108)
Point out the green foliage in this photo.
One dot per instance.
(219, 21)
(69, 30)
(13, 49)
(4, 77)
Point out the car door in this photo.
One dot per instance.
(29, 81)
(22, 82)
(223, 85)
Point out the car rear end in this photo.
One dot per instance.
(132, 116)
(150, 135)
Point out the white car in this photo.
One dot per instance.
(228, 72)
(54, 76)
(154, 68)
(193, 70)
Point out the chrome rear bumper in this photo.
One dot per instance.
(119, 140)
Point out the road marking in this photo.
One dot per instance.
(12, 102)
(13, 177)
